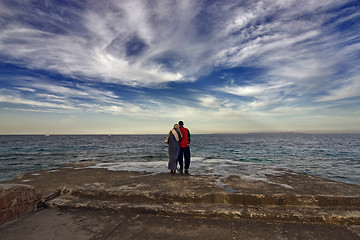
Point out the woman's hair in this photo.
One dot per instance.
(176, 125)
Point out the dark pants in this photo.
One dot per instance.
(184, 153)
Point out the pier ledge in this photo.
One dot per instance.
(92, 203)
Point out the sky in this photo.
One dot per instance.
(138, 66)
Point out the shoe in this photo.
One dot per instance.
(180, 170)
(186, 171)
(172, 171)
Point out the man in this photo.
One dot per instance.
(184, 148)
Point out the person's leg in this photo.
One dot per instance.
(180, 158)
(187, 158)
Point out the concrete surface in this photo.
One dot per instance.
(86, 224)
(78, 202)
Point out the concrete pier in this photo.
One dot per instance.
(90, 203)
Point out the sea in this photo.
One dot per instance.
(331, 156)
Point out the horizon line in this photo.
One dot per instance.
(119, 134)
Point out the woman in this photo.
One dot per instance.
(173, 140)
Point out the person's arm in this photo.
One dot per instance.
(179, 135)
(167, 138)
(189, 139)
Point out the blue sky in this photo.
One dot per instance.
(128, 66)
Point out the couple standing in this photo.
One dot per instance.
(178, 141)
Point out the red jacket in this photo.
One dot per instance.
(185, 137)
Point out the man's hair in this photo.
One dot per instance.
(181, 123)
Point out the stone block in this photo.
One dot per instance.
(16, 200)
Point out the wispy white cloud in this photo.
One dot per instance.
(261, 96)
(19, 100)
(349, 89)
(246, 90)
(36, 110)
(25, 89)
(75, 54)
(209, 101)
(168, 30)
(303, 60)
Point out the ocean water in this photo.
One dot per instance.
(331, 156)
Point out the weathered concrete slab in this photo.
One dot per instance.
(85, 225)
(103, 183)
(230, 205)
(207, 210)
